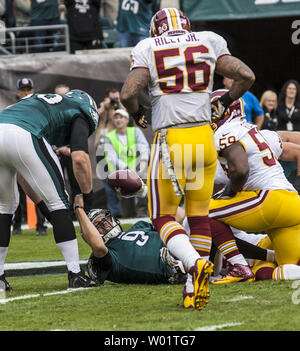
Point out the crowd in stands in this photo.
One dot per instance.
(86, 20)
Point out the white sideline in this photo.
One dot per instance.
(36, 264)
(122, 221)
(23, 297)
(218, 326)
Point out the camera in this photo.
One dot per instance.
(114, 103)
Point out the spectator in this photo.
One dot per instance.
(106, 111)
(268, 102)
(9, 16)
(22, 12)
(25, 87)
(288, 109)
(133, 21)
(109, 9)
(254, 112)
(44, 13)
(84, 24)
(61, 89)
(126, 147)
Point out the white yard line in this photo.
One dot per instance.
(239, 298)
(218, 326)
(23, 297)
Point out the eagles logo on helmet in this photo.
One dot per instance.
(235, 110)
(169, 21)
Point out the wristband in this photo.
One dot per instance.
(77, 206)
(226, 100)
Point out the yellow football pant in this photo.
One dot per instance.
(275, 212)
(194, 156)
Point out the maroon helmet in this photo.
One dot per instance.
(234, 111)
(169, 21)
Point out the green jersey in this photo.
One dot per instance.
(50, 116)
(134, 16)
(136, 257)
(44, 9)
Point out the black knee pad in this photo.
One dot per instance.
(63, 228)
(5, 223)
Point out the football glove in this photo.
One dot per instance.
(225, 193)
(219, 106)
(139, 117)
(142, 192)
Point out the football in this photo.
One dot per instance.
(125, 182)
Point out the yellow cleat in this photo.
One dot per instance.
(201, 271)
(236, 273)
(188, 299)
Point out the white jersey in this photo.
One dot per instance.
(263, 150)
(181, 68)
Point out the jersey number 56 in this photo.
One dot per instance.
(195, 81)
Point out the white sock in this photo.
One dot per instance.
(3, 253)
(271, 256)
(69, 250)
(189, 286)
(238, 259)
(287, 272)
(180, 247)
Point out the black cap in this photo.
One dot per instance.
(24, 83)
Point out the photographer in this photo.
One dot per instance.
(106, 112)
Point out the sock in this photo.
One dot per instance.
(200, 234)
(176, 240)
(286, 272)
(237, 259)
(223, 238)
(69, 250)
(3, 253)
(189, 286)
(271, 256)
(181, 248)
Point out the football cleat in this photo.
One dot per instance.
(201, 271)
(235, 273)
(80, 280)
(5, 283)
(188, 299)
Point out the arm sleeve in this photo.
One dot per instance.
(79, 134)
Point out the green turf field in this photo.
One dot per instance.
(42, 302)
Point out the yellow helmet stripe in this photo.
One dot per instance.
(173, 18)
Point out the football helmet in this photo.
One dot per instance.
(169, 21)
(84, 96)
(107, 225)
(235, 110)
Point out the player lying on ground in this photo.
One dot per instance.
(136, 256)
(168, 63)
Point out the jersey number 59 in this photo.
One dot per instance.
(191, 67)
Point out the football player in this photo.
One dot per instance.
(178, 67)
(27, 131)
(136, 256)
(257, 197)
